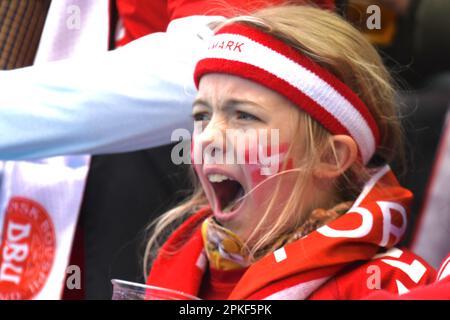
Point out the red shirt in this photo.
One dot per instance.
(218, 284)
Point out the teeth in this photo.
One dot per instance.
(218, 177)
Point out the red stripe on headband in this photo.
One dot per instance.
(259, 75)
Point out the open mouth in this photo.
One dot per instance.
(229, 192)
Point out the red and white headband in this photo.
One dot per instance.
(241, 50)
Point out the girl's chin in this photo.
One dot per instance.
(228, 219)
(233, 221)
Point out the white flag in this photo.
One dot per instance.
(40, 200)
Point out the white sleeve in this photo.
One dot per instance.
(127, 99)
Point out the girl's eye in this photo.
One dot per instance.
(241, 115)
(200, 116)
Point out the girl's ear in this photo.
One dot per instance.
(337, 158)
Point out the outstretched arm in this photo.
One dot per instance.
(127, 99)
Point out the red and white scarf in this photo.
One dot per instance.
(377, 220)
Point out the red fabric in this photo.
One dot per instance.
(353, 282)
(185, 8)
(218, 284)
(439, 290)
(319, 265)
(142, 17)
(190, 234)
(435, 291)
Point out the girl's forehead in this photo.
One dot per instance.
(217, 87)
(224, 84)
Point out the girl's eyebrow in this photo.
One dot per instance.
(201, 102)
(231, 103)
(235, 102)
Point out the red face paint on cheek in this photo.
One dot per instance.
(262, 188)
(256, 170)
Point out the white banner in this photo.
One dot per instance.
(40, 200)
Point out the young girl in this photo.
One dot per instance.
(323, 220)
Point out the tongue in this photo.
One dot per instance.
(233, 204)
(228, 192)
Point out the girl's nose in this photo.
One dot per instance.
(211, 139)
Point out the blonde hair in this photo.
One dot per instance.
(334, 44)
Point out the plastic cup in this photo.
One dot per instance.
(126, 290)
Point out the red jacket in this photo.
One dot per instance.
(142, 17)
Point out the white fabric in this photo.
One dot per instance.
(261, 56)
(127, 99)
(58, 188)
(299, 291)
(73, 28)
